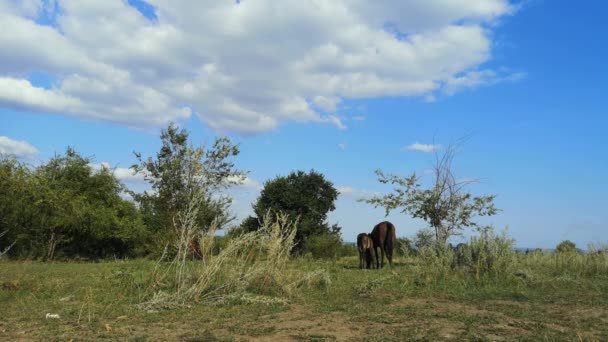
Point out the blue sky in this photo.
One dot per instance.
(342, 88)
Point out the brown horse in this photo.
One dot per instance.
(383, 236)
(365, 245)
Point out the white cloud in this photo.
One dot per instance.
(342, 146)
(121, 173)
(246, 182)
(473, 79)
(326, 103)
(16, 147)
(244, 67)
(359, 118)
(423, 147)
(354, 192)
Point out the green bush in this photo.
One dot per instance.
(404, 247)
(486, 257)
(566, 247)
(325, 246)
(347, 249)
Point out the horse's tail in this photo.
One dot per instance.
(390, 236)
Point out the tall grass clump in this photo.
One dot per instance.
(487, 258)
(435, 263)
(250, 268)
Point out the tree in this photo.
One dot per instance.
(81, 210)
(14, 200)
(181, 175)
(64, 207)
(308, 196)
(446, 206)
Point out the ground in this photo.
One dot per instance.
(96, 301)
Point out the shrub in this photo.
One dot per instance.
(566, 247)
(325, 246)
(404, 247)
(347, 250)
(486, 257)
(425, 238)
(491, 255)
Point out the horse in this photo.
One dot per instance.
(383, 236)
(365, 245)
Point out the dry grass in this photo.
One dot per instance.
(251, 268)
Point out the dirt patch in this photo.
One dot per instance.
(301, 323)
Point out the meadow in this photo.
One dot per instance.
(542, 296)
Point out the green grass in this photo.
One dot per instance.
(97, 301)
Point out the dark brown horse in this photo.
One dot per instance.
(365, 245)
(383, 236)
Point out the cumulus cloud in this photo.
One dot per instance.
(16, 147)
(121, 173)
(241, 66)
(427, 148)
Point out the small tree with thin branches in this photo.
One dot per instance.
(446, 206)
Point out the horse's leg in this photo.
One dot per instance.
(377, 261)
(360, 259)
(382, 257)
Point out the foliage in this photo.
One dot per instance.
(181, 172)
(324, 246)
(6, 248)
(348, 250)
(566, 247)
(308, 196)
(404, 247)
(424, 238)
(565, 267)
(15, 189)
(65, 208)
(488, 257)
(445, 206)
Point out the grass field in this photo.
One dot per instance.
(97, 301)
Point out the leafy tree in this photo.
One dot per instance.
(566, 247)
(14, 188)
(308, 196)
(82, 210)
(446, 206)
(180, 174)
(66, 208)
